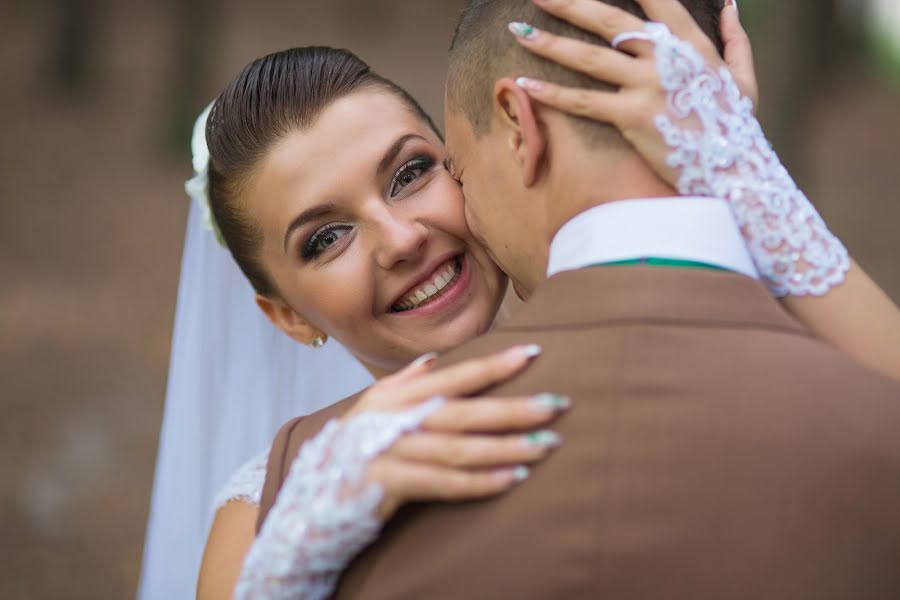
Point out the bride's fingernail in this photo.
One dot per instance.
(529, 351)
(425, 359)
(543, 439)
(552, 402)
(735, 5)
(529, 84)
(523, 30)
(512, 475)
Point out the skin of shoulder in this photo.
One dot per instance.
(232, 533)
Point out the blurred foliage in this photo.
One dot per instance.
(883, 44)
(800, 47)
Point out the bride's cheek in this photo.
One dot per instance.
(449, 204)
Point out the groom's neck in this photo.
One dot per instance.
(585, 179)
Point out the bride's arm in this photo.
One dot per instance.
(233, 530)
(800, 260)
(232, 533)
(857, 317)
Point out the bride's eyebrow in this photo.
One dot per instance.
(391, 155)
(305, 217)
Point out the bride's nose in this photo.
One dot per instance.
(400, 239)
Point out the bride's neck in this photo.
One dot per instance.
(508, 308)
(377, 372)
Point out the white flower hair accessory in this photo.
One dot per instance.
(197, 187)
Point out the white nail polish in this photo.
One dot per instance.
(554, 402)
(523, 30)
(531, 351)
(529, 84)
(543, 439)
(425, 358)
(521, 473)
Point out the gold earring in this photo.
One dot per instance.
(318, 342)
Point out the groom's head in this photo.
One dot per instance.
(525, 166)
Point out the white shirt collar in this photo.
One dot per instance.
(695, 229)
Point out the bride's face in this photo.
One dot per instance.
(365, 237)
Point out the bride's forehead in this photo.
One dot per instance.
(366, 110)
(358, 126)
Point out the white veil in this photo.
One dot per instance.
(233, 381)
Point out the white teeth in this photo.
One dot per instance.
(430, 289)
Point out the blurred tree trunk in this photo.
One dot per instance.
(800, 46)
(73, 66)
(195, 25)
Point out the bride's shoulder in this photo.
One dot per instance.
(246, 484)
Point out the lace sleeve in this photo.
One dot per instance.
(326, 512)
(245, 485)
(719, 149)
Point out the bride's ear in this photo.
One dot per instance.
(527, 136)
(289, 320)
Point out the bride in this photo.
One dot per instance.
(405, 218)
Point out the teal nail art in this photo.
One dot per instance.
(543, 439)
(523, 30)
(521, 473)
(551, 402)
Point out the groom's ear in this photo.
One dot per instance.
(288, 320)
(526, 133)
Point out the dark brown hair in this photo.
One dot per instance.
(483, 51)
(272, 97)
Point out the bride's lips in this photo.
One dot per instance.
(454, 270)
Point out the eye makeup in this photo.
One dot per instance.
(403, 181)
(323, 239)
(409, 173)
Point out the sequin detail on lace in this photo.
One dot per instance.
(719, 150)
(245, 485)
(326, 512)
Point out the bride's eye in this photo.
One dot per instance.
(322, 240)
(409, 173)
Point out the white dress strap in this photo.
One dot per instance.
(245, 485)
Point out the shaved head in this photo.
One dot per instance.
(483, 51)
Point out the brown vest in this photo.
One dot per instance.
(715, 450)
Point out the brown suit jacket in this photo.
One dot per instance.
(715, 450)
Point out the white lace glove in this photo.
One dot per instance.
(719, 150)
(326, 512)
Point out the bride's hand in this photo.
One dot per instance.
(469, 447)
(631, 67)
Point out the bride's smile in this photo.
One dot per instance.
(438, 288)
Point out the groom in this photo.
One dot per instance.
(715, 449)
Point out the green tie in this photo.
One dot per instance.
(653, 261)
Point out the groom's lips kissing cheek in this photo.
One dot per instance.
(440, 288)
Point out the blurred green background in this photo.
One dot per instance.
(96, 104)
